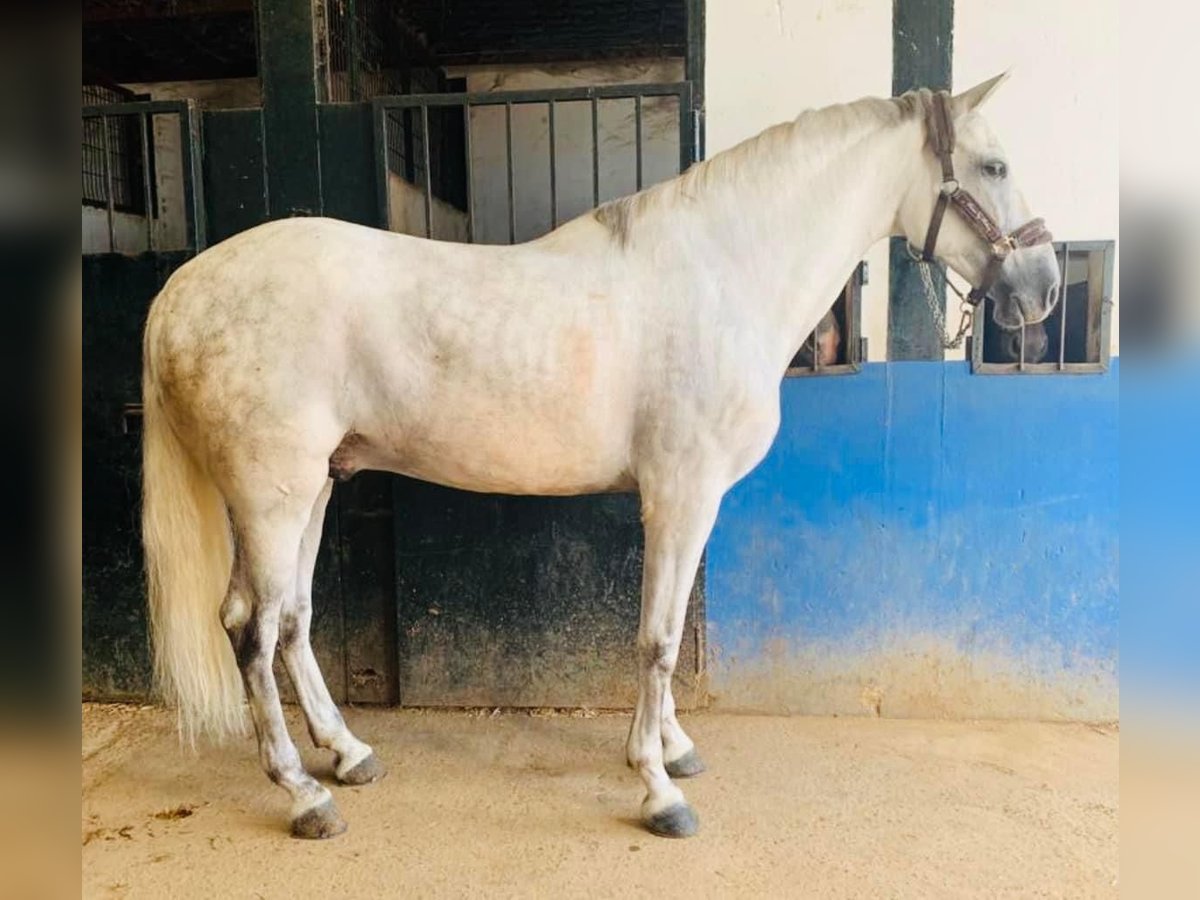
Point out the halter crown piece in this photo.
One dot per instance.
(940, 126)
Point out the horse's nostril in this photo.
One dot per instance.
(1051, 297)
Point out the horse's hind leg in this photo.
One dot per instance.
(263, 584)
(356, 764)
(677, 520)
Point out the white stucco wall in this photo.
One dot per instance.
(768, 60)
(1057, 115)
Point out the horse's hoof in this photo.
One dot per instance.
(678, 821)
(686, 766)
(370, 769)
(322, 821)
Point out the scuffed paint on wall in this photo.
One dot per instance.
(914, 675)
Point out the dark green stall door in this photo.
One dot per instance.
(523, 601)
(117, 291)
(352, 638)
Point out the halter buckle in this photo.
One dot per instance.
(1003, 247)
(949, 187)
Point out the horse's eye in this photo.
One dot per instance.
(995, 169)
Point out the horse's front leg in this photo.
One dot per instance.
(679, 751)
(680, 758)
(677, 519)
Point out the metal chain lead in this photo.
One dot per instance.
(937, 305)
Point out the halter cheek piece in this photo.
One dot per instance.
(940, 125)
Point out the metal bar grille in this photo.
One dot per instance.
(114, 159)
(359, 41)
(1074, 338)
(508, 161)
(541, 95)
(1064, 258)
(119, 171)
(637, 139)
(110, 201)
(428, 171)
(147, 191)
(471, 168)
(511, 203)
(553, 165)
(193, 202)
(595, 151)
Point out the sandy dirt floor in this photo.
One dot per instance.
(527, 805)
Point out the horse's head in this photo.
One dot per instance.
(984, 230)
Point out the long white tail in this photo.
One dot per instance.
(185, 530)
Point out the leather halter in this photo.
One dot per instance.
(940, 125)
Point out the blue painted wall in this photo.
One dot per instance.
(921, 540)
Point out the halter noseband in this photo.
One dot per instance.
(940, 125)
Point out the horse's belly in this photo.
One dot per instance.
(499, 453)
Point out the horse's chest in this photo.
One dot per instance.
(725, 424)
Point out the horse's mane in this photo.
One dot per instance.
(820, 130)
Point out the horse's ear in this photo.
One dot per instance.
(971, 99)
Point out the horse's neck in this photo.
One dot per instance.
(792, 229)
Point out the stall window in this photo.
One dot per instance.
(1073, 339)
(118, 161)
(836, 346)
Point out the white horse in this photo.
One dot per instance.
(638, 347)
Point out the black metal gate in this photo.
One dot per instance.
(411, 139)
(524, 601)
